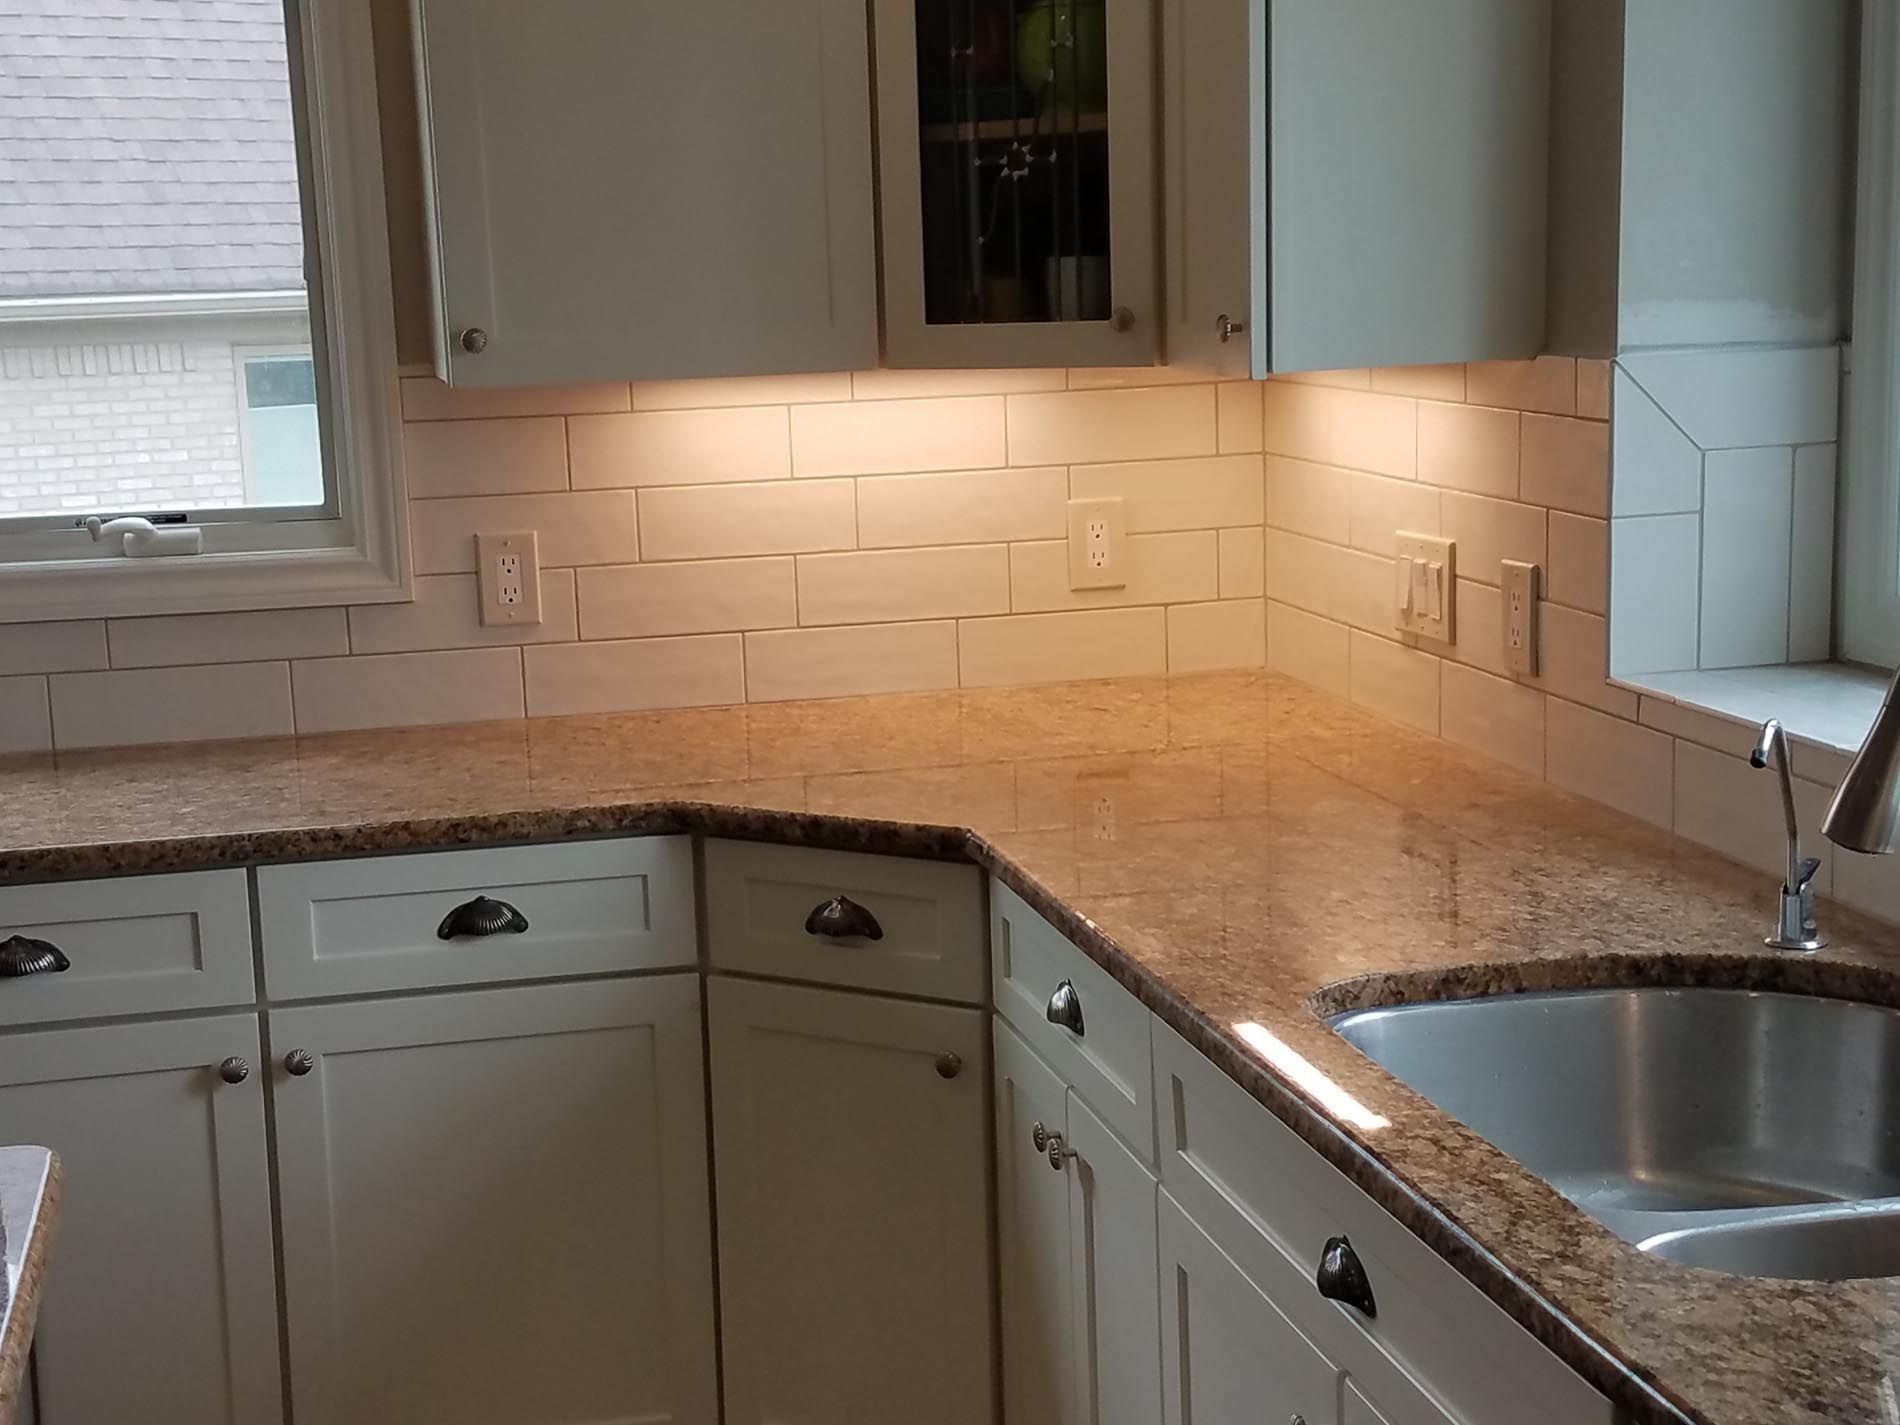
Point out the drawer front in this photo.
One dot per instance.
(132, 945)
(927, 917)
(1108, 1059)
(1438, 1349)
(585, 907)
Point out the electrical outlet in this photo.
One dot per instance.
(1520, 617)
(508, 570)
(1425, 587)
(1098, 536)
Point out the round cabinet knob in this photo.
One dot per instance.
(299, 1062)
(473, 340)
(1226, 328)
(1059, 1152)
(1039, 1136)
(234, 1070)
(949, 1065)
(1121, 320)
(1296, 1420)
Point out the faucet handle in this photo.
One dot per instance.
(1804, 882)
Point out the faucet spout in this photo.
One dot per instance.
(1795, 927)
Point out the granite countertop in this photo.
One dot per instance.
(1235, 848)
(29, 1213)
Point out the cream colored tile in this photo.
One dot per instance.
(178, 639)
(1071, 427)
(592, 528)
(702, 447)
(903, 585)
(426, 399)
(1376, 433)
(844, 662)
(1056, 648)
(1721, 733)
(714, 596)
(1468, 448)
(1312, 649)
(1868, 883)
(446, 613)
(1243, 563)
(1609, 760)
(144, 705)
(1566, 464)
(1579, 562)
(889, 385)
(1480, 642)
(1593, 389)
(407, 689)
(1108, 378)
(1237, 413)
(1308, 499)
(565, 678)
(899, 437)
(963, 507)
(504, 457)
(1229, 634)
(1574, 661)
(1490, 531)
(1548, 383)
(1350, 379)
(791, 390)
(1297, 420)
(1344, 585)
(1491, 715)
(1394, 681)
(1724, 803)
(1379, 507)
(730, 521)
(26, 721)
(1178, 494)
(1162, 569)
(66, 646)
(1429, 383)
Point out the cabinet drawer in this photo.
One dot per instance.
(382, 923)
(133, 945)
(928, 918)
(1438, 1349)
(1107, 1059)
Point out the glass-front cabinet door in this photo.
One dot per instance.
(1019, 200)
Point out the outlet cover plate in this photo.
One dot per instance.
(1520, 618)
(1098, 544)
(1425, 587)
(508, 571)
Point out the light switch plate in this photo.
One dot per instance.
(1098, 544)
(1520, 618)
(1425, 587)
(508, 571)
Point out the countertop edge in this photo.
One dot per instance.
(22, 1311)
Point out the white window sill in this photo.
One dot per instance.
(1830, 705)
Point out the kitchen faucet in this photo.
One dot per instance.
(1795, 927)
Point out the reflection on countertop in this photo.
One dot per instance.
(1236, 848)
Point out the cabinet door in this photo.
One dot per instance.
(623, 190)
(162, 1302)
(1227, 1352)
(1016, 152)
(853, 1210)
(1033, 1205)
(495, 1207)
(1117, 1287)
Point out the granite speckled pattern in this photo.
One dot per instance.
(1232, 847)
(29, 1207)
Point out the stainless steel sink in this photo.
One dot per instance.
(1720, 1128)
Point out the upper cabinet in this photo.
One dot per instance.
(619, 191)
(1354, 183)
(1016, 153)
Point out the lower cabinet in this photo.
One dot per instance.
(161, 1306)
(494, 1206)
(849, 1154)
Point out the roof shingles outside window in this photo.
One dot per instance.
(146, 147)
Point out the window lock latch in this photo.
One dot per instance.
(139, 538)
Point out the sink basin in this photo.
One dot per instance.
(1721, 1128)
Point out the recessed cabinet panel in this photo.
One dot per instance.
(624, 190)
(1118, 1341)
(1017, 157)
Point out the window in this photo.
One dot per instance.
(1869, 515)
(195, 322)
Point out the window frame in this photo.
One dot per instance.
(243, 353)
(1868, 519)
(281, 559)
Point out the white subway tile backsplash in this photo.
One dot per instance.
(1566, 464)
(1161, 569)
(174, 640)
(1075, 427)
(1310, 648)
(1238, 418)
(1349, 379)
(631, 675)
(892, 385)
(1734, 397)
(904, 585)
(1579, 573)
(1492, 715)
(1062, 647)
(498, 457)
(1178, 494)
(65, 646)
(963, 507)
(426, 399)
(843, 662)
(1428, 383)
(1480, 642)
(795, 389)
(1746, 515)
(1574, 661)
(1308, 499)
(1470, 448)
(1593, 389)
(1811, 554)
(1394, 681)
(1723, 802)
(26, 720)
(149, 705)
(1383, 434)
(407, 689)
(733, 521)
(692, 447)
(1654, 468)
(1547, 383)
(900, 437)
(1115, 378)
(1298, 420)
(1243, 563)
(594, 527)
(1610, 760)
(1228, 634)
(446, 613)
(1655, 564)
(1488, 532)
(712, 596)
(1380, 507)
